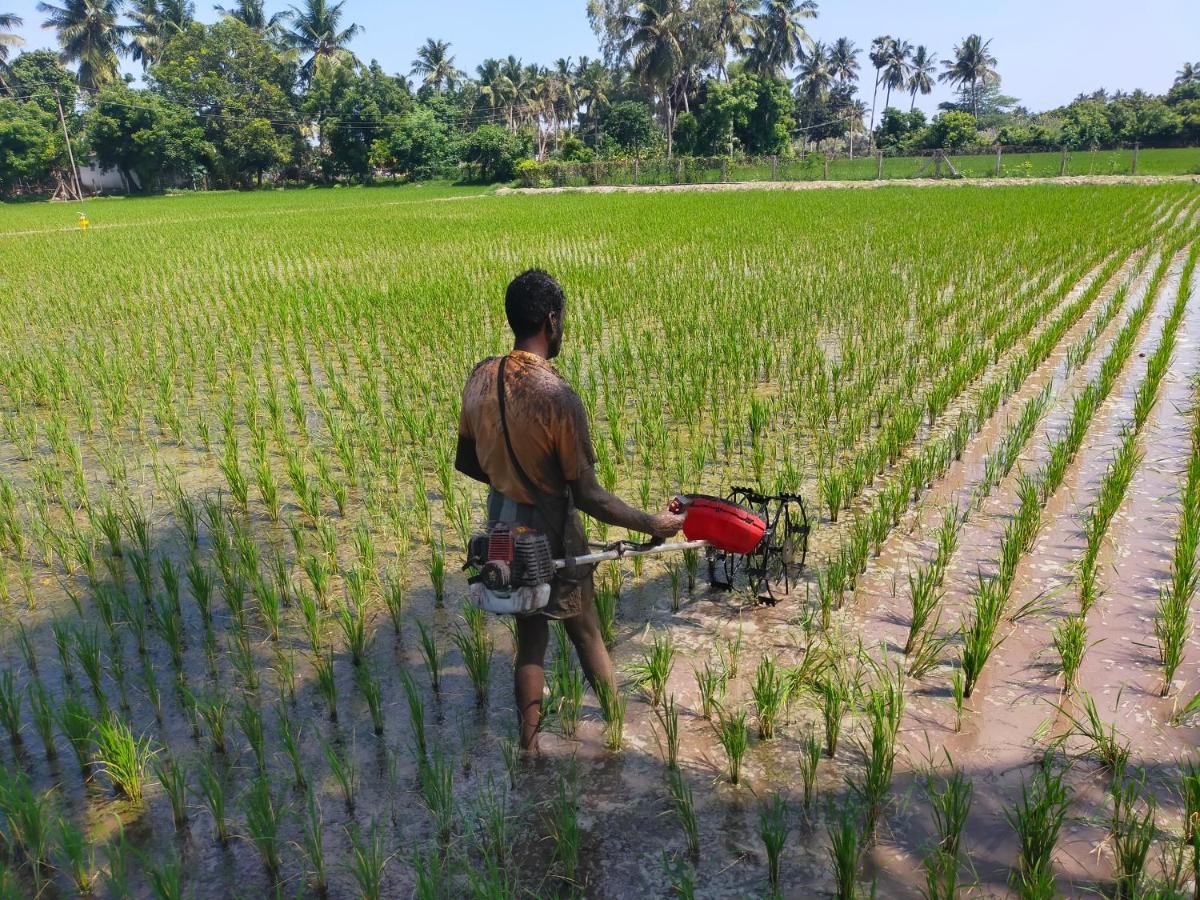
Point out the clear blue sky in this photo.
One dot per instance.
(1049, 50)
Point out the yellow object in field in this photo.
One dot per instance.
(84, 224)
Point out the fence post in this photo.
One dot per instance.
(878, 165)
(998, 160)
(724, 170)
(1062, 169)
(635, 169)
(825, 175)
(774, 168)
(1135, 156)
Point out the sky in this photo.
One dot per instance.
(1049, 51)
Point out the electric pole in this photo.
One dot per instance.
(70, 152)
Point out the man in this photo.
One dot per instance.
(539, 476)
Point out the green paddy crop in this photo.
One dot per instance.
(227, 426)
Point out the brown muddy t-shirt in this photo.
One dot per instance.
(546, 422)
(549, 431)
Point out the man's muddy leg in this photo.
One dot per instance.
(584, 632)
(533, 635)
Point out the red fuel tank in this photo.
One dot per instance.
(725, 525)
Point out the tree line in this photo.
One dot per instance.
(282, 96)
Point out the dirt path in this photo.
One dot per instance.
(857, 185)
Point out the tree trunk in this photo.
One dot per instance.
(874, 100)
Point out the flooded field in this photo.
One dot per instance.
(238, 658)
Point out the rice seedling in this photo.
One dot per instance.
(613, 705)
(668, 720)
(1103, 741)
(684, 806)
(345, 773)
(810, 760)
(369, 860)
(845, 850)
(213, 710)
(1037, 818)
(263, 819)
(250, 721)
(432, 657)
(77, 857)
(174, 781)
(1132, 831)
(394, 592)
(1070, 640)
(76, 723)
(958, 690)
(950, 802)
(326, 683)
(565, 698)
(312, 841)
(652, 672)
(979, 635)
(10, 706)
(925, 598)
(734, 736)
(833, 693)
(28, 821)
(712, 684)
(770, 693)
(435, 778)
(125, 759)
(416, 715)
(351, 619)
(773, 828)
(42, 711)
(476, 646)
(564, 825)
(884, 708)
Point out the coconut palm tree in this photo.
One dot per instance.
(494, 86)
(881, 52)
(843, 60)
(252, 14)
(896, 68)
(315, 30)
(655, 39)
(921, 74)
(592, 84)
(154, 23)
(436, 66)
(732, 23)
(8, 39)
(1189, 74)
(779, 38)
(89, 35)
(815, 76)
(565, 104)
(973, 67)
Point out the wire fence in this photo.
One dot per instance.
(970, 162)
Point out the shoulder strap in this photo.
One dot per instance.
(512, 455)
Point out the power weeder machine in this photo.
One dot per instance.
(750, 540)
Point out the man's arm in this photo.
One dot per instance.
(466, 460)
(593, 499)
